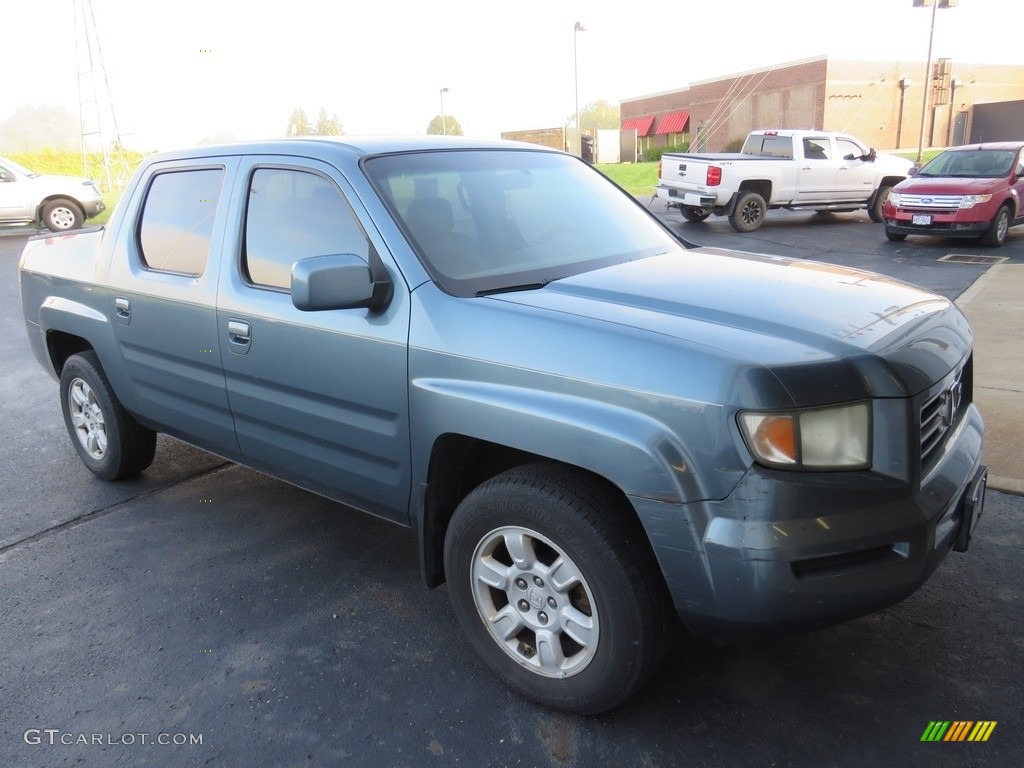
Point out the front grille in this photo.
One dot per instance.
(930, 202)
(940, 411)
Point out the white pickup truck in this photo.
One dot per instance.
(796, 170)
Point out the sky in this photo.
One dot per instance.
(182, 71)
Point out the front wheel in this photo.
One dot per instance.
(62, 215)
(894, 237)
(555, 585)
(875, 211)
(110, 443)
(995, 235)
(749, 212)
(694, 214)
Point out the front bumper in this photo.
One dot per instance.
(93, 207)
(941, 224)
(795, 551)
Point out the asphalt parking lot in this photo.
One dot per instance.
(204, 602)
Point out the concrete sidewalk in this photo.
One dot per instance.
(995, 307)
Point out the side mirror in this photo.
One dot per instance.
(850, 156)
(912, 171)
(338, 281)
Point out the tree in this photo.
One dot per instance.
(221, 137)
(298, 123)
(598, 114)
(327, 126)
(450, 126)
(30, 129)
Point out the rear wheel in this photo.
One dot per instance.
(694, 214)
(749, 212)
(875, 211)
(556, 587)
(995, 235)
(61, 215)
(110, 443)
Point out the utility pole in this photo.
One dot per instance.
(97, 119)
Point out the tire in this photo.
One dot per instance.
(694, 214)
(995, 235)
(895, 237)
(110, 443)
(749, 212)
(62, 215)
(875, 211)
(581, 617)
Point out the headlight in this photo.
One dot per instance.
(969, 201)
(819, 439)
(894, 199)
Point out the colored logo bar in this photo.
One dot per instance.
(959, 730)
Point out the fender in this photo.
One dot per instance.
(632, 450)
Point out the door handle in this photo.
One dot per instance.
(122, 307)
(238, 332)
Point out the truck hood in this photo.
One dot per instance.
(51, 178)
(827, 333)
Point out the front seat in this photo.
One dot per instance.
(432, 225)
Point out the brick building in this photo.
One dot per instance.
(879, 102)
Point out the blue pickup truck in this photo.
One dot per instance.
(592, 426)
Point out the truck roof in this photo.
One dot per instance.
(358, 145)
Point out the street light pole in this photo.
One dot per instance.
(577, 28)
(935, 4)
(444, 123)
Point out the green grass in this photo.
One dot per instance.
(110, 198)
(911, 154)
(70, 163)
(638, 179)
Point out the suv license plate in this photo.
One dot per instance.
(922, 219)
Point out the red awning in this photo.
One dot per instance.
(672, 123)
(641, 124)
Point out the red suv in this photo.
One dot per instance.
(972, 191)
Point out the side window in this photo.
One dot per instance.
(177, 220)
(816, 149)
(847, 147)
(293, 215)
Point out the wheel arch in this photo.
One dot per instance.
(885, 181)
(889, 181)
(61, 345)
(763, 187)
(55, 198)
(631, 454)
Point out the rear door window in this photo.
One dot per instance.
(177, 220)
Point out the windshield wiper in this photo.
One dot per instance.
(513, 288)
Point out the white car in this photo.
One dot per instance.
(59, 202)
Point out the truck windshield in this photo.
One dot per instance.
(483, 221)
